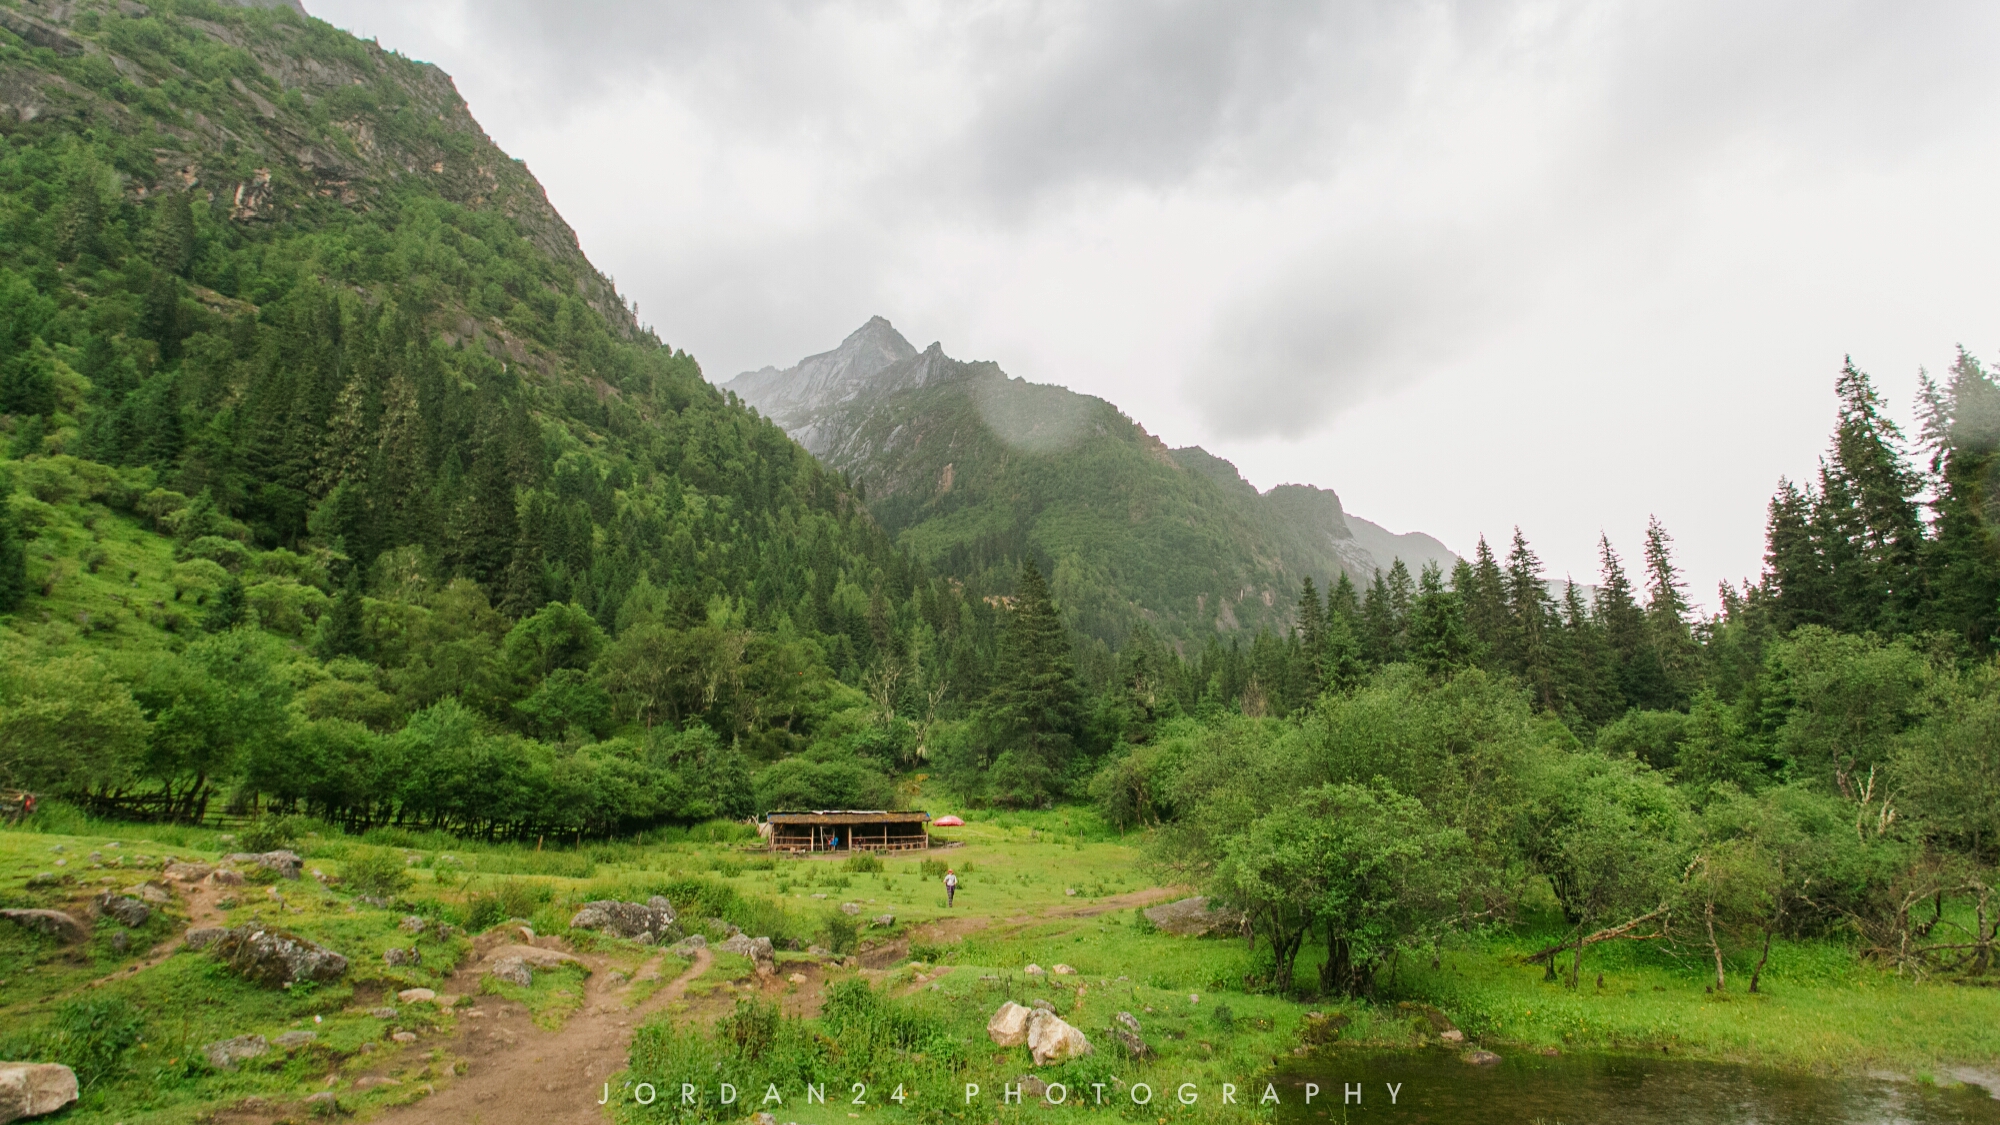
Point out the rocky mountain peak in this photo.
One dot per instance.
(789, 396)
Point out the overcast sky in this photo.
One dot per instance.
(1472, 265)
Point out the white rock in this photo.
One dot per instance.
(1052, 1040)
(34, 1089)
(1009, 1025)
(1064, 971)
(1033, 970)
(412, 995)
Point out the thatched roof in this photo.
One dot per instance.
(848, 816)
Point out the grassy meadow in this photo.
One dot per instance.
(1041, 888)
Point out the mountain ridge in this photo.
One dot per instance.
(964, 462)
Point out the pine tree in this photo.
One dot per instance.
(1796, 579)
(1486, 607)
(1668, 615)
(1035, 707)
(1635, 678)
(1441, 643)
(1528, 613)
(1868, 459)
(1311, 636)
(1962, 559)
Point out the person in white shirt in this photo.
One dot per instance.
(950, 885)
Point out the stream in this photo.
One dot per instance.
(1530, 1089)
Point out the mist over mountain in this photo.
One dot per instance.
(968, 467)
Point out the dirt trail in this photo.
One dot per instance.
(519, 1074)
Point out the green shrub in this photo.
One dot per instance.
(839, 932)
(863, 864)
(270, 833)
(375, 871)
(932, 869)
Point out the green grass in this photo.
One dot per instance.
(1821, 1011)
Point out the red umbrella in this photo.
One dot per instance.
(947, 822)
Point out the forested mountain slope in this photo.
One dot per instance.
(971, 469)
(343, 478)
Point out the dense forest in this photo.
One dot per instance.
(340, 485)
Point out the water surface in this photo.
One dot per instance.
(1530, 1089)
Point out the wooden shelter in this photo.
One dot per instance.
(843, 830)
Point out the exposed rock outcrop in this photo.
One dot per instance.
(274, 958)
(654, 918)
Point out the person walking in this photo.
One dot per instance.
(950, 885)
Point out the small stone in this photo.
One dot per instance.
(226, 1054)
(323, 1098)
(1480, 1058)
(797, 978)
(151, 892)
(227, 878)
(372, 1081)
(404, 1036)
(121, 941)
(188, 872)
(885, 920)
(850, 908)
(1452, 1036)
(1032, 970)
(383, 1013)
(1063, 971)
(1130, 1021)
(413, 925)
(413, 995)
(400, 957)
(292, 1039)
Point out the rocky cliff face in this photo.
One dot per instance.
(312, 118)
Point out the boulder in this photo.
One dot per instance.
(1051, 1040)
(512, 970)
(34, 1089)
(755, 948)
(686, 946)
(1063, 971)
(152, 893)
(128, 912)
(1009, 1025)
(227, 1053)
(625, 919)
(533, 957)
(413, 925)
(885, 920)
(202, 937)
(292, 1039)
(1032, 1088)
(187, 872)
(1191, 917)
(1130, 1021)
(399, 957)
(1452, 1035)
(1480, 1058)
(226, 878)
(286, 863)
(55, 923)
(1033, 970)
(274, 958)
